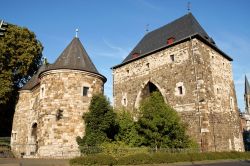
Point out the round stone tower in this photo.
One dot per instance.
(66, 88)
(64, 93)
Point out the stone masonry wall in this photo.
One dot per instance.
(63, 90)
(212, 117)
(19, 129)
(60, 92)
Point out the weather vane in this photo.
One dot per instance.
(189, 6)
(77, 32)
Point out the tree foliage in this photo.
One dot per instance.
(100, 122)
(127, 129)
(159, 125)
(20, 57)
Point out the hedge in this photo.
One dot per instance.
(156, 158)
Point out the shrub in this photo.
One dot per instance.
(120, 149)
(97, 159)
(161, 157)
(156, 158)
(100, 122)
(90, 149)
(159, 125)
(140, 158)
(127, 132)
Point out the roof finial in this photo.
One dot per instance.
(189, 6)
(76, 32)
(147, 29)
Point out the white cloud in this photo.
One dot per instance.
(111, 51)
(121, 52)
(147, 4)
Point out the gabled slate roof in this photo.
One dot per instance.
(181, 29)
(74, 57)
(247, 86)
(34, 79)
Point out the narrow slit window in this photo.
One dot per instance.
(218, 91)
(180, 90)
(85, 91)
(147, 65)
(231, 103)
(125, 101)
(172, 57)
(42, 91)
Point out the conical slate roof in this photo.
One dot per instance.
(247, 87)
(180, 30)
(74, 57)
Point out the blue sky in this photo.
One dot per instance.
(109, 29)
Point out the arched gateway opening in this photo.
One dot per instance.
(145, 92)
(33, 139)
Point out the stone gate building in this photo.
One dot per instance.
(48, 115)
(193, 75)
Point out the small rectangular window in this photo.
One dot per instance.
(85, 91)
(172, 57)
(180, 90)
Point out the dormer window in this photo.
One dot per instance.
(170, 40)
(135, 55)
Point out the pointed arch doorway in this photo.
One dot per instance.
(145, 92)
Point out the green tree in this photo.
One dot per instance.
(127, 129)
(20, 57)
(159, 125)
(100, 122)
